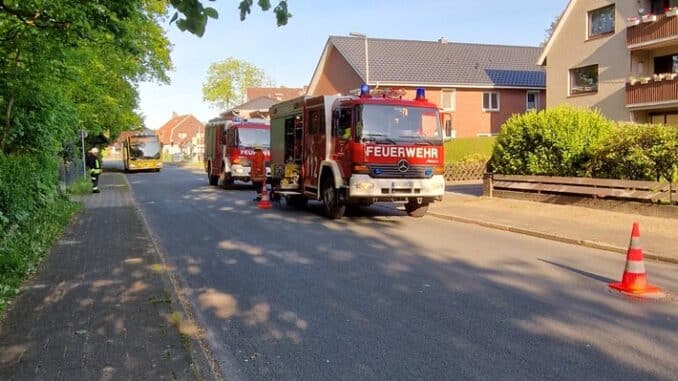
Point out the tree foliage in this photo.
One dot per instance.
(227, 82)
(192, 15)
(70, 65)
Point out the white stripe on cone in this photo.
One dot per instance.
(635, 267)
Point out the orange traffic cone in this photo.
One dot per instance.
(634, 280)
(264, 203)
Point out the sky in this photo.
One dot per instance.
(289, 54)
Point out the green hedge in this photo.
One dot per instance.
(637, 152)
(568, 141)
(466, 149)
(27, 184)
(554, 142)
(32, 214)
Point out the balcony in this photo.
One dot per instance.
(661, 32)
(654, 94)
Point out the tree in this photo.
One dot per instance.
(192, 15)
(227, 82)
(550, 30)
(72, 65)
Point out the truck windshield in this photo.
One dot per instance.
(398, 123)
(144, 147)
(250, 137)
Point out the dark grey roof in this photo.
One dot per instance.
(260, 103)
(437, 63)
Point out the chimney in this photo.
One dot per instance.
(174, 115)
(442, 40)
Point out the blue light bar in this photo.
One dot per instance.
(364, 90)
(421, 94)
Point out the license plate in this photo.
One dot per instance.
(401, 184)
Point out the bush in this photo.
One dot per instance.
(552, 142)
(637, 152)
(32, 214)
(22, 250)
(28, 183)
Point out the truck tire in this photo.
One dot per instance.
(227, 181)
(333, 207)
(214, 180)
(414, 209)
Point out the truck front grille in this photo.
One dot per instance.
(391, 171)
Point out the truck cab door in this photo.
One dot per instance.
(342, 135)
(314, 147)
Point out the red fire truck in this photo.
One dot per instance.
(357, 150)
(229, 148)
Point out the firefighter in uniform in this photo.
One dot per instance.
(258, 171)
(94, 164)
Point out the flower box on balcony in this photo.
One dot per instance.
(644, 80)
(671, 12)
(649, 18)
(632, 21)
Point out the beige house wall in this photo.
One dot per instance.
(571, 48)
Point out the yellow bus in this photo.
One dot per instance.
(142, 152)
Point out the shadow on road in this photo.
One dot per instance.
(419, 313)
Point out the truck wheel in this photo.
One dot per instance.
(334, 209)
(414, 209)
(227, 180)
(214, 180)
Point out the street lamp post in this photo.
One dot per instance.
(367, 57)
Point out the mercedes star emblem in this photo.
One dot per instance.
(403, 165)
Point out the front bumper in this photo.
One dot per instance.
(140, 165)
(240, 172)
(366, 186)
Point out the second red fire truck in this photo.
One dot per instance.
(229, 148)
(357, 150)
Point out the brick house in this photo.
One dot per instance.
(620, 57)
(278, 93)
(256, 108)
(182, 134)
(477, 87)
(260, 100)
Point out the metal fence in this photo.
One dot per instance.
(69, 172)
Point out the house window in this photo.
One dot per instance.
(601, 21)
(491, 101)
(666, 64)
(532, 100)
(449, 100)
(584, 80)
(659, 6)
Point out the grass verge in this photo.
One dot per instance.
(23, 247)
(81, 186)
(462, 149)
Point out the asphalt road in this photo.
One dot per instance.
(285, 294)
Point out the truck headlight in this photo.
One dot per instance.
(364, 186)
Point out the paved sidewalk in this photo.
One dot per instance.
(99, 307)
(573, 224)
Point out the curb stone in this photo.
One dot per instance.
(199, 345)
(551, 237)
